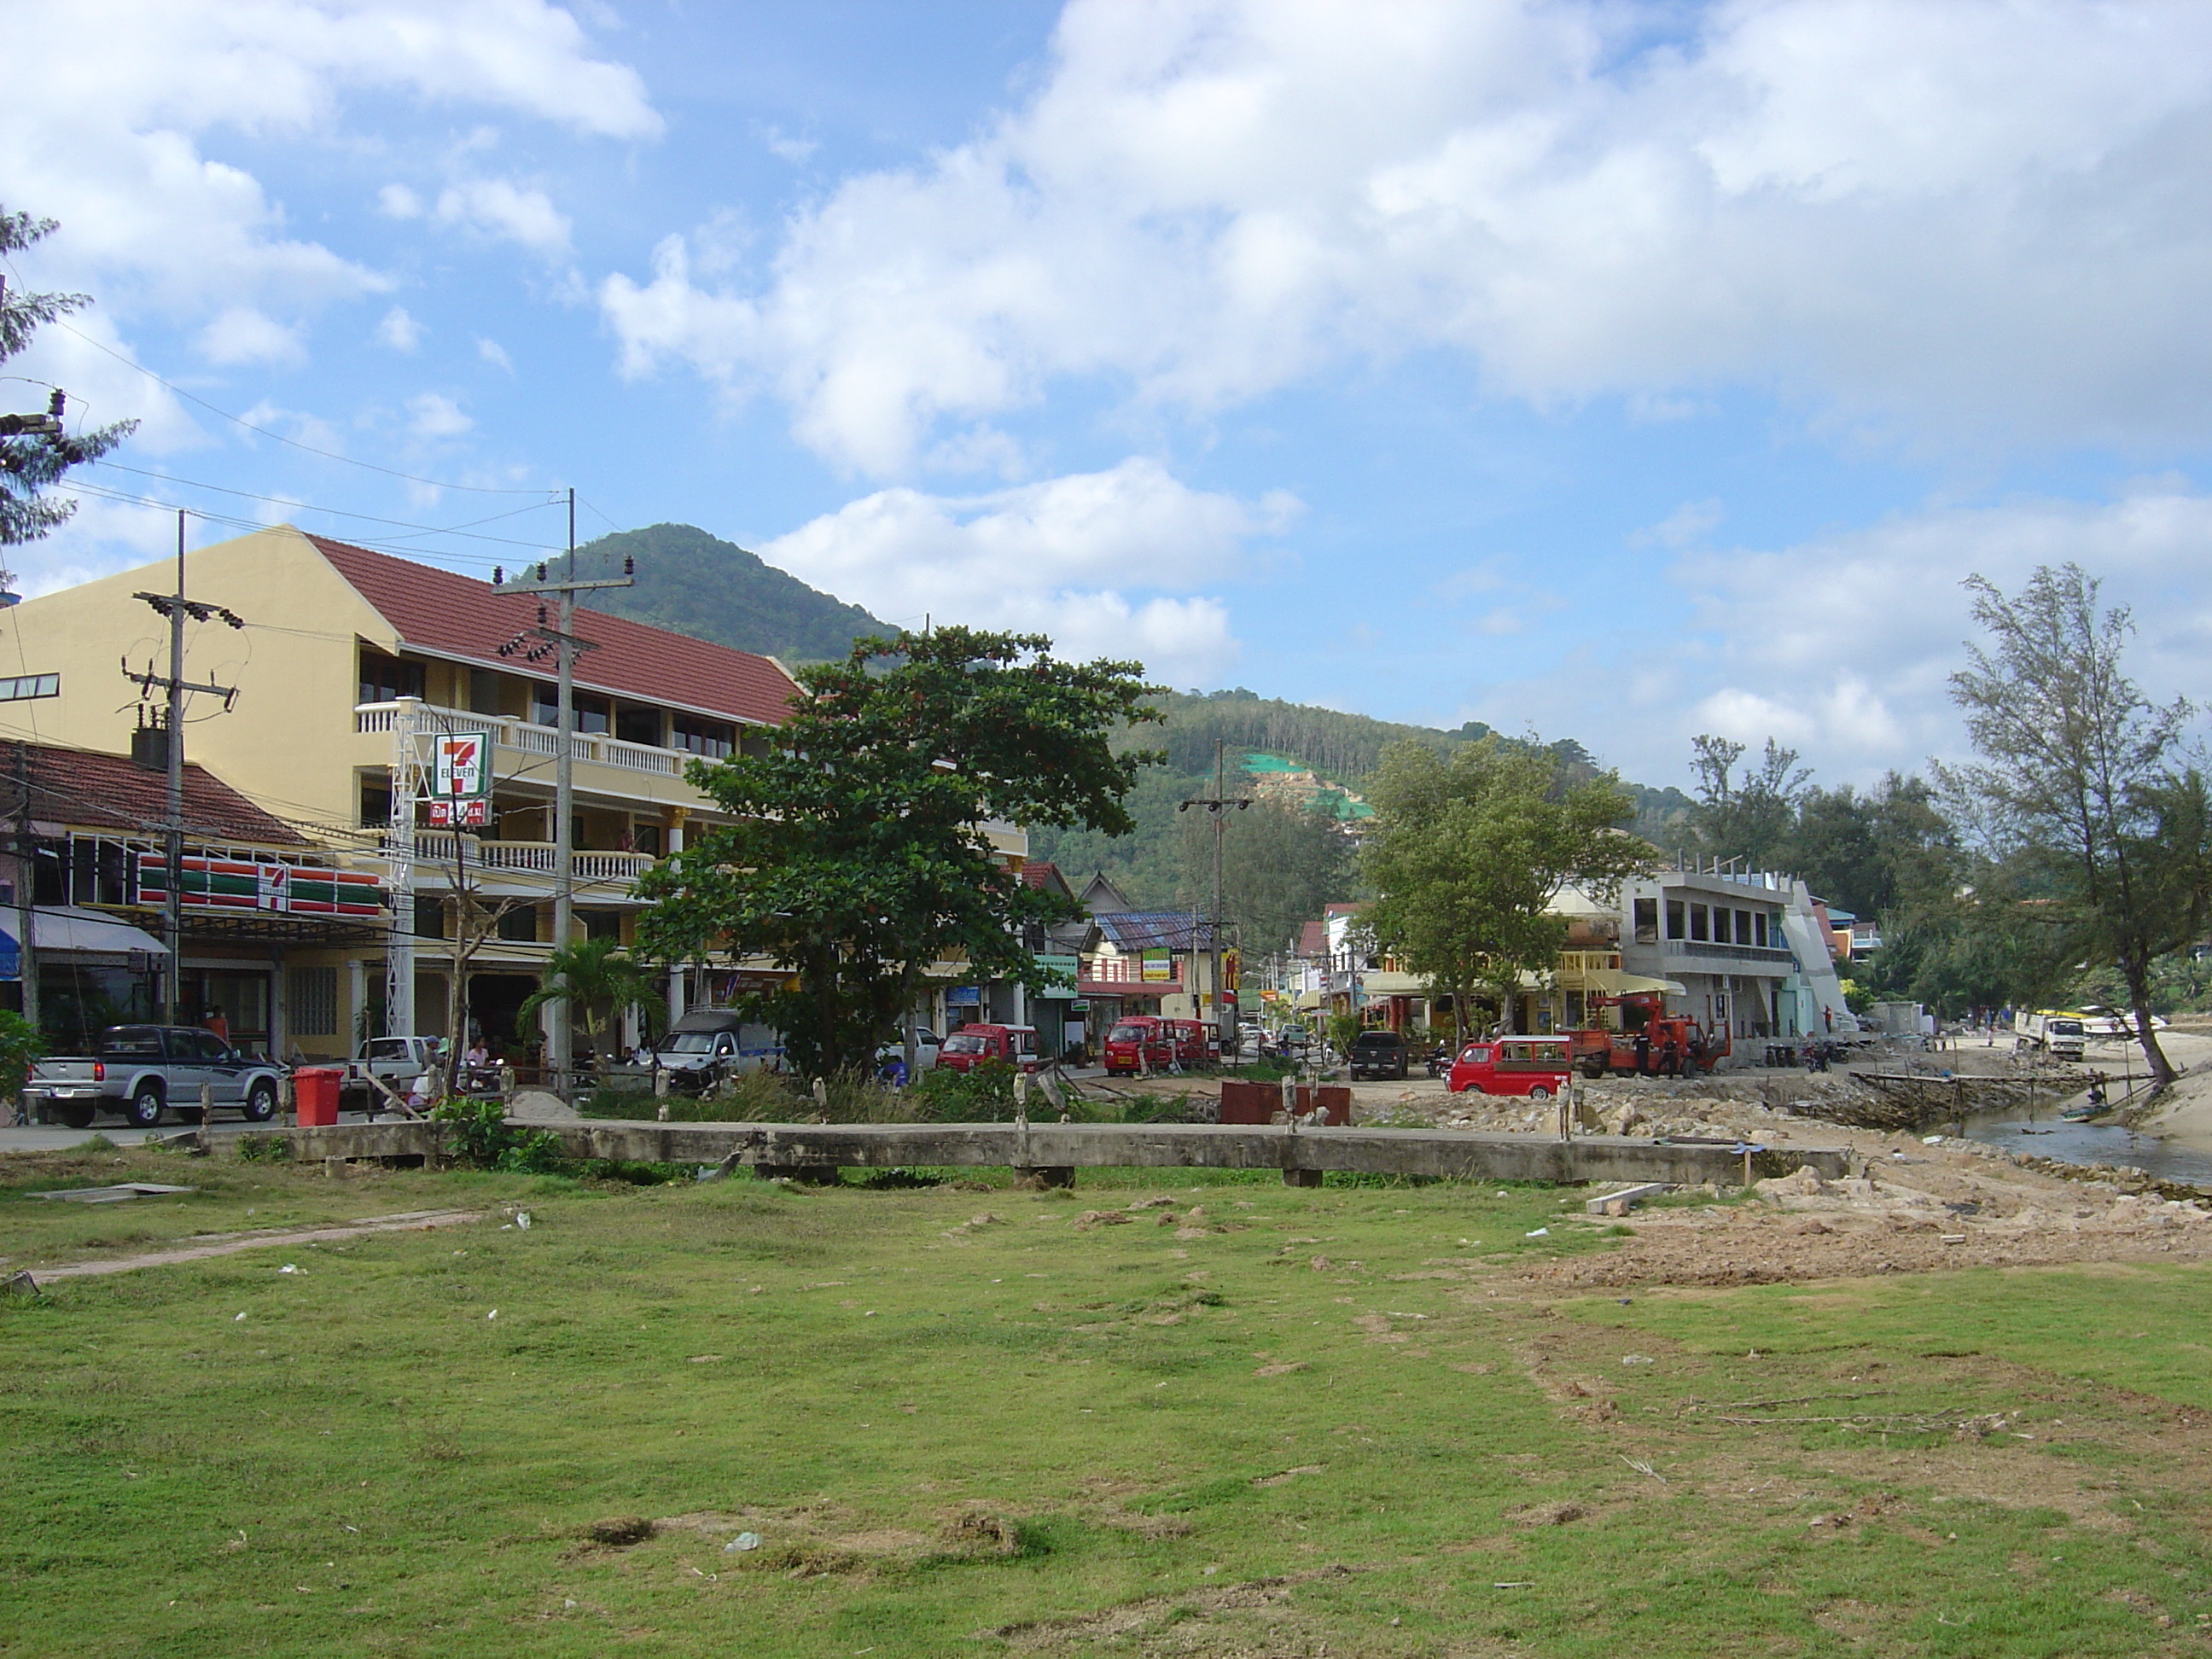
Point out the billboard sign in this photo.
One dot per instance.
(299, 889)
(461, 765)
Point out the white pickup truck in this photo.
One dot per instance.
(395, 1060)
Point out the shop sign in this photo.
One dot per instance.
(964, 996)
(460, 778)
(1066, 967)
(1159, 965)
(299, 889)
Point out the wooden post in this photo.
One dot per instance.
(207, 1118)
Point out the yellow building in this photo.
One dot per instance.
(344, 650)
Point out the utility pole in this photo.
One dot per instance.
(176, 607)
(1217, 804)
(26, 887)
(566, 647)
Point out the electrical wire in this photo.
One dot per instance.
(327, 454)
(465, 529)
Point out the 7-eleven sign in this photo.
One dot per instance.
(461, 766)
(460, 777)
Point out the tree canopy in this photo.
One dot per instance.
(2081, 780)
(35, 452)
(860, 857)
(1468, 852)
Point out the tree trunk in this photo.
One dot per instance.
(2138, 973)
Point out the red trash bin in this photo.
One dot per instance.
(315, 1092)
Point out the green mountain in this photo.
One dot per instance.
(694, 583)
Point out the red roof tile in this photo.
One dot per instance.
(91, 791)
(457, 615)
(1039, 873)
(1313, 939)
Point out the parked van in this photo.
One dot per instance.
(1511, 1066)
(972, 1044)
(1136, 1043)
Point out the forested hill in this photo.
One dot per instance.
(694, 583)
(1278, 873)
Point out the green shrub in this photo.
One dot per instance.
(264, 1149)
(628, 1105)
(483, 1139)
(982, 1093)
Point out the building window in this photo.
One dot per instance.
(429, 917)
(483, 691)
(1647, 921)
(1720, 925)
(1743, 927)
(544, 703)
(311, 999)
(1758, 926)
(645, 838)
(594, 716)
(387, 679)
(1674, 926)
(1698, 929)
(633, 723)
(519, 924)
(713, 738)
(601, 924)
(375, 802)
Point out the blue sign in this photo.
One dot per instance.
(11, 956)
(964, 996)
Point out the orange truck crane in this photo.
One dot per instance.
(1596, 1050)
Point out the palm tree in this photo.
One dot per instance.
(593, 974)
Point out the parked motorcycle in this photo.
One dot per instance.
(1440, 1060)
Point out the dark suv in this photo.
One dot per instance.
(1378, 1054)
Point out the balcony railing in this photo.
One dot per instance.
(435, 848)
(1697, 947)
(526, 737)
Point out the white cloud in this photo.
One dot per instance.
(398, 330)
(242, 334)
(1072, 557)
(1689, 522)
(105, 120)
(492, 352)
(499, 206)
(398, 202)
(1954, 218)
(434, 415)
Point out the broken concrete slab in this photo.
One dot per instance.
(117, 1195)
(1621, 1202)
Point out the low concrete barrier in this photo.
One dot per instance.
(1055, 1150)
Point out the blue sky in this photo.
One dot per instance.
(1611, 371)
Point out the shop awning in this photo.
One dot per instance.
(1618, 981)
(89, 938)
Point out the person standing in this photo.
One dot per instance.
(1644, 1051)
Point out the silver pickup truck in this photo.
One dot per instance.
(143, 1071)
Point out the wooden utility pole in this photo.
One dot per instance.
(176, 607)
(567, 649)
(1217, 804)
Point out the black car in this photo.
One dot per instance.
(1378, 1054)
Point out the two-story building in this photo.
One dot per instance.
(342, 648)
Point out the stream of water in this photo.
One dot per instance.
(2043, 1133)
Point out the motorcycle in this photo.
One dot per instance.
(1440, 1060)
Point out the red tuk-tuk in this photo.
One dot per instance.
(1512, 1066)
(1137, 1042)
(971, 1044)
(1195, 1041)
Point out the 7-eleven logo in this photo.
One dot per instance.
(459, 768)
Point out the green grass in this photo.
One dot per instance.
(942, 1430)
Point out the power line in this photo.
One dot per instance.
(465, 529)
(327, 454)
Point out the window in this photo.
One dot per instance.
(1743, 927)
(208, 1046)
(483, 691)
(1647, 921)
(544, 703)
(601, 924)
(313, 995)
(429, 917)
(1698, 926)
(519, 924)
(593, 715)
(713, 738)
(645, 838)
(387, 679)
(1674, 919)
(375, 802)
(1720, 925)
(635, 724)
(1758, 926)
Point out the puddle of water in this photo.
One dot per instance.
(2048, 1135)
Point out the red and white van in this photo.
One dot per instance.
(971, 1044)
(1534, 1066)
(1135, 1042)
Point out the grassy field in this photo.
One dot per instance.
(963, 1421)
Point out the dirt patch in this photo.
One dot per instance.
(1146, 1617)
(232, 1244)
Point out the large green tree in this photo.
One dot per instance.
(1467, 855)
(858, 856)
(37, 449)
(2082, 778)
